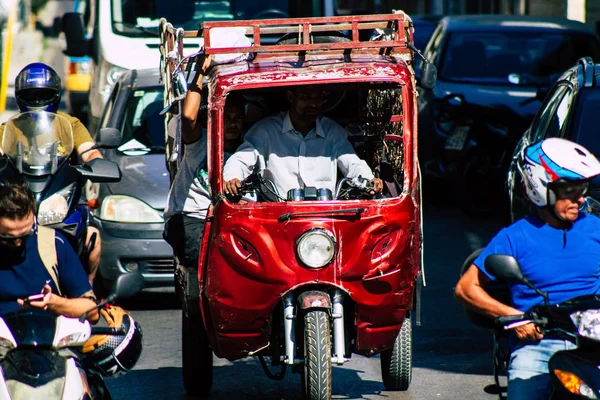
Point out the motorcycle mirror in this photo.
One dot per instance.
(507, 267)
(74, 28)
(109, 138)
(504, 267)
(100, 170)
(126, 285)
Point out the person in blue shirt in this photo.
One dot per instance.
(22, 272)
(558, 249)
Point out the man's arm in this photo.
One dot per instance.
(351, 165)
(242, 162)
(191, 130)
(83, 141)
(470, 292)
(67, 307)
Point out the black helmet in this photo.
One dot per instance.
(114, 355)
(37, 88)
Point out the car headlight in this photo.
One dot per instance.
(587, 323)
(110, 73)
(591, 206)
(54, 209)
(121, 208)
(316, 248)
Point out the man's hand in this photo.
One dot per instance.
(377, 186)
(42, 303)
(529, 333)
(232, 187)
(203, 62)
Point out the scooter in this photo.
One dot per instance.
(37, 147)
(575, 373)
(40, 354)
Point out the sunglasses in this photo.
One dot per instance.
(573, 192)
(9, 239)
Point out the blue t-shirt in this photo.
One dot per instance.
(564, 263)
(29, 277)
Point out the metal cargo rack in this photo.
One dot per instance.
(396, 38)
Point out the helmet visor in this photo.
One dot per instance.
(37, 97)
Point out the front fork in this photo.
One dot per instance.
(308, 300)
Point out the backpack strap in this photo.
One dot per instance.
(47, 249)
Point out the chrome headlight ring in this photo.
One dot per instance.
(316, 247)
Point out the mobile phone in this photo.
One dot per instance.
(34, 297)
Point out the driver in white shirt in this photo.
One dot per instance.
(297, 148)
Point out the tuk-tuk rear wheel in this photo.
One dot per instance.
(196, 356)
(316, 374)
(396, 363)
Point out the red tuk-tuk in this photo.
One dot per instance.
(309, 277)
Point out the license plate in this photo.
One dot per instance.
(457, 140)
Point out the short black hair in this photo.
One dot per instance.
(235, 100)
(16, 201)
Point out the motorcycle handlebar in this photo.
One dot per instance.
(103, 330)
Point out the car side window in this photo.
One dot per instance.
(433, 45)
(548, 113)
(558, 120)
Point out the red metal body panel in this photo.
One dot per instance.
(248, 259)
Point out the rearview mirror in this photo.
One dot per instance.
(77, 43)
(128, 285)
(109, 138)
(428, 75)
(100, 170)
(504, 267)
(180, 86)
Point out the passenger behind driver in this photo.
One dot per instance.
(298, 148)
(189, 197)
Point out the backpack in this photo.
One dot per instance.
(47, 250)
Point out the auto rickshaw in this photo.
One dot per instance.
(309, 277)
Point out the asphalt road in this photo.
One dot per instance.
(452, 358)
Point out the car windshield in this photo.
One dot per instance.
(519, 58)
(140, 18)
(585, 120)
(143, 127)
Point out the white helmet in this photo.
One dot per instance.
(554, 160)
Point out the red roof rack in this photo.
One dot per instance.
(396, 26)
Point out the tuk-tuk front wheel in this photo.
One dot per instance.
(316, 374)
(396, 363)
(196, 356)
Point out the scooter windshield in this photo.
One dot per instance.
(37, 143)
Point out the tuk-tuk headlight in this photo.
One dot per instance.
(587, 323)
(316, 248)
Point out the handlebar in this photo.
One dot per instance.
(104, 330)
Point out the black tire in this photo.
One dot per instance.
(316, 373)
(196, 356)
(396, 363)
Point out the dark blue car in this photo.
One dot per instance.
(499, 60)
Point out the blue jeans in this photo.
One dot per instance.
(528, 375)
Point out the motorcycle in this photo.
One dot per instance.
(40, 355)
(479, 144)
(37, 147)
(575, 374)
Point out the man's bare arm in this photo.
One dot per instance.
(191, 130)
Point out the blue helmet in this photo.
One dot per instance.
(37, 88)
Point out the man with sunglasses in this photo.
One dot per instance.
(38, 88)
(22, 272)
(558, 249)
(298, 148)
